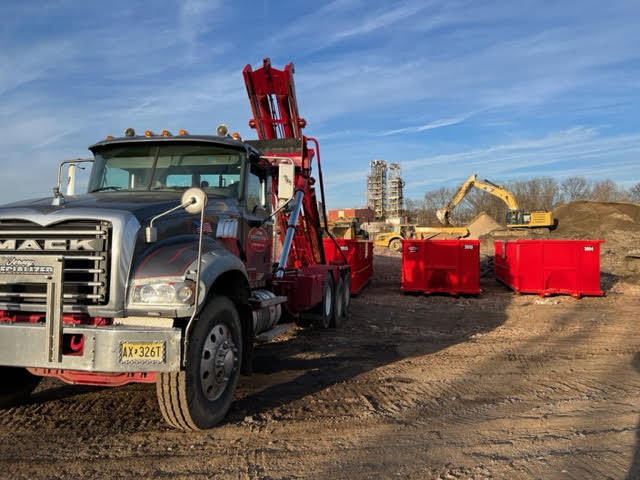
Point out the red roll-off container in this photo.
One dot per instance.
(441, 266)
(359, 255)
(548, 267)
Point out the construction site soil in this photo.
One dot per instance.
(422, 387)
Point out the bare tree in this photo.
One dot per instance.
(433, 200)
(549, 193)
(575, 188)
(634, 193)
(480, 201)
(608, 191)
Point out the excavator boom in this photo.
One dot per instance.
(443, 213)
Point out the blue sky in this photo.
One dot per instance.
(447, 88)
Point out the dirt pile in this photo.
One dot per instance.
(617, 223)
(596, 219)
(481, 225)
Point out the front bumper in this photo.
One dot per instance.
(23, 345)
(41, 345)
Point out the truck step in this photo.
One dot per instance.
(256, 304)
(274, 332)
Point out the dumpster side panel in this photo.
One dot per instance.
(359, 255)
(589, 273)
(469, 267)
(548, 267)
(441, 266)
(413, 271)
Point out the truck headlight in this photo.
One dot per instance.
(163, 292)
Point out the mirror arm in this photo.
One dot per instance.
(275, 212)
(171, 210)
(58, 197)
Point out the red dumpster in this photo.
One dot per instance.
(547, 267)
(441, 266)
(359, 255)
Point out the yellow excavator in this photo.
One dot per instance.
(516, 217)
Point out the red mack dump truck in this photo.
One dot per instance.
(184, 249)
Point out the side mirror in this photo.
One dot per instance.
(151, 234)
(286, 182)
(193, 201)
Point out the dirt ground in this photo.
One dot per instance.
(499, 386)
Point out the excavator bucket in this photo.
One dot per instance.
(443, 216)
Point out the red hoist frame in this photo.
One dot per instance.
(303, 266)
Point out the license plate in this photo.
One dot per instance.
(142, 352)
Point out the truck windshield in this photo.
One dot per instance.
(139, 167)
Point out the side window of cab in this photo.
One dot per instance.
(256, 193)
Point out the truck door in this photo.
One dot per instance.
(258, 226)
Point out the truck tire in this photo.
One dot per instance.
(339, 312)
(347, 292)
(198, 397)
(324, 310)
(395, 245)
(15, 385)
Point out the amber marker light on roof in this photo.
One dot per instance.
(182, 132)
(148, 133)
(109, 137)
(236, 136)
(166, 133)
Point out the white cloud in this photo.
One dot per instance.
(194, 18)
(21, 65)
(445, 122)
(379, 20)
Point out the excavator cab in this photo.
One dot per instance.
(535, 219)
(517, 217)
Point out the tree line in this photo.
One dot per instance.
(540, 193)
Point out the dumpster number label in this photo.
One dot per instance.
(345, 248)
(412, 249)
(468, 247)
(588, 249)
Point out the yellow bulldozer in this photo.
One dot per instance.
(516, 217)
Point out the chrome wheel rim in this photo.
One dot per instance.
(327, 300)
(347, 293)
(339, 302)
(218, 361)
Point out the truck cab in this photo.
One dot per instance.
(228, 171)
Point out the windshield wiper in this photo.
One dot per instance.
(108, 187)
(171, 188)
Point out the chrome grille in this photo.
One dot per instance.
(86, 273)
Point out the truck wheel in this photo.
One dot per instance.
(15, 385)
(346, 280)
(324, 310)
(199, 397)
(395, 245)
(339, 312)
